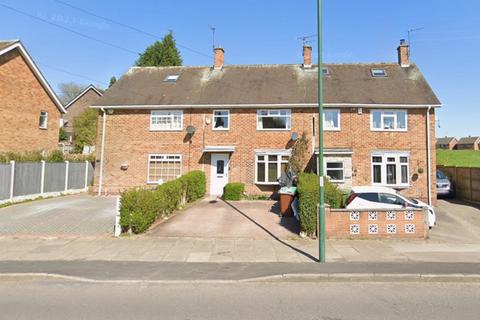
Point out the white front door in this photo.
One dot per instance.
(219, 173)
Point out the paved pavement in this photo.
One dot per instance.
(211, 218)
(67, 216)
(328, 301)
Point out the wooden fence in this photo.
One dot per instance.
(465, 180)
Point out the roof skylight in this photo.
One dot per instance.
(379, 72)
(171, 78)
(325, 71)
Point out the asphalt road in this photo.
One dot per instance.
(50, 299)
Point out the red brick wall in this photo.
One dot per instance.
(128, 139)
(342, 224)
(22, 98)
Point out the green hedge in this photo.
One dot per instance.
(233, 191)
(139, 208)
(52, 156)
(308, 191)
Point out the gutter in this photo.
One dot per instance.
(429, 176)
(264, 105)
(102, 152)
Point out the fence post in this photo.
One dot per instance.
(42, 178)
(86, 174)
(66, 174)
(12, 178)
(117, 229)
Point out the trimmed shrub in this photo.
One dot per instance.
(194, 185)
(308, 191)
(139, 208)
(233, 191)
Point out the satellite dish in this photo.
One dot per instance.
(294, 136)
(191, 129)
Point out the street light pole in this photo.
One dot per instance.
(321, 211)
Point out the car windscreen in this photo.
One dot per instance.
(441, 175)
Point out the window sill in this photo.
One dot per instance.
(267, 183)
(216, 129)
(325, 129)
(389, 130)
(166, 130)
(43, 128)
(274, 129)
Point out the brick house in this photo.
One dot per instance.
(76, 106)
(238, 124)
(468, 143)
(30, 110)
(447, 143)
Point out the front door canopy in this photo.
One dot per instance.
(219, 149)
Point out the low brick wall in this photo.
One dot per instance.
(376, 224)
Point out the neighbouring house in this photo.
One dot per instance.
(237, 123)
(468, 143)
(75, 107)
(447, 143)
(31, 112)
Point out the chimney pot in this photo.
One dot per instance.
(403, 53)
(307, 56)
(219, 58)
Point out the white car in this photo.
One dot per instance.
(385, 198)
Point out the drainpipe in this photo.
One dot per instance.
(429, 177)
(102, 152)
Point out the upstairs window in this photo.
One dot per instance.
(221, 119)
(43, 120)
(274, 119)
(166, 120)
(388, 120)
(378, 73)
(331, 119)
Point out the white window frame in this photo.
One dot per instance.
(165, 155)
(214, 116)
(398, 168)
(342, 169)
(376, 74)
(45, 123)
(278, 162)
(166, 113)
(325, 128)
(383, 115)
(269, 111)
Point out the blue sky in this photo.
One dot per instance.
(262, 31)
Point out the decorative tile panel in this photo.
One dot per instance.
(391, 215)
(372, 215)
(409, 215)
(373, 228)
(391, 228)
(354, 215)
(354, 229)
(410, 228)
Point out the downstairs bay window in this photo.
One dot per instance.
(390, 169)
(269, 167)
(164, 167)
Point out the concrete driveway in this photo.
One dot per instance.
(75, 215)
(457, 222)
(210, 218)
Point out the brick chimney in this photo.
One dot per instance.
(219, 58)
(403, 54)
(307, 56)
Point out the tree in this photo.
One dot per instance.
(85, 128)
(69, 90)
(62, 135)
(112, 81)
(300, 155)
(161, 54)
